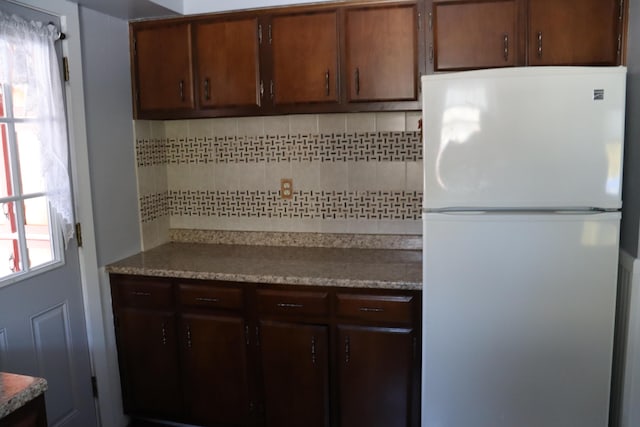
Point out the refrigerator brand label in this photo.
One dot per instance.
(598, 94)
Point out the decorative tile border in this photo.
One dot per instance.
(374, 146)
(371, 205)
(154, 206)
(377, 205)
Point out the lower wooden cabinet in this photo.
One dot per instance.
(225, 354)
(295, 372)
(215, 369)
(375, 376)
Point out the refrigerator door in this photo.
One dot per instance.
(518, 316)
(537, 137)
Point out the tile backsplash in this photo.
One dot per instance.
(352, 173)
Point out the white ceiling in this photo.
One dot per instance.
(140, 9)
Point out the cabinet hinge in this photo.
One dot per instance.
(621, 14)
(94, 386)
(79, 234)
(65, 68)
(260, 34)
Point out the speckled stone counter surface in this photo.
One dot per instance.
(347, 267)
(18, 390)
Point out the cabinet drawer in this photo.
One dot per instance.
(293, 303)
(210, 296)
(145, 294)
(382, 308)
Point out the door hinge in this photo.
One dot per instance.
(94, 386)
(79, 234)
(65, 68)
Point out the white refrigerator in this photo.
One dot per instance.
(522, 186)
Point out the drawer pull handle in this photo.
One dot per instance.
(189, 342)
(164, 333)
(313, 350)
(202, 299)
(289, 305)
(347, 350)
(141, 294)
(371, 309)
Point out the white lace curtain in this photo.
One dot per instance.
(28, 60)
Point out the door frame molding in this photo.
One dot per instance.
(100, 333)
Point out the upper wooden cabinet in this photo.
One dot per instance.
(228, 70)
(470, 34)
(305, 58)
(478, 34)
(161, 57)
(382, 53)
(340, 57)
(575, 32)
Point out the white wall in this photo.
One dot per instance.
(107, 95)
(631, 189)
(107, 83)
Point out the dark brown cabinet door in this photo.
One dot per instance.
(295, 374)
(215, 369)
(148, 352)
(163, 73)
(574, 32)
(375, 369)
(228, 73)
(382, 53)
(475, 34)
(305, 58)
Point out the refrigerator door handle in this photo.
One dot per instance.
(494, 211)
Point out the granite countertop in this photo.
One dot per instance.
(346, 267)
(18, 390)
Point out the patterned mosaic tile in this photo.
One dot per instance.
(375, 146)
(372, 205)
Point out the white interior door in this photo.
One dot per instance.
(42, 325)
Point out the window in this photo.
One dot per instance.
(35, 201)
(26, 241)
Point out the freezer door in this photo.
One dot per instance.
(518, 318)
(533, 137)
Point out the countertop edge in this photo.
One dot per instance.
(37, 387)
(266, 279)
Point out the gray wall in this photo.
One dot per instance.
(107, 88)
(631, 189)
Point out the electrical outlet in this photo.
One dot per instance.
(286, 188)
